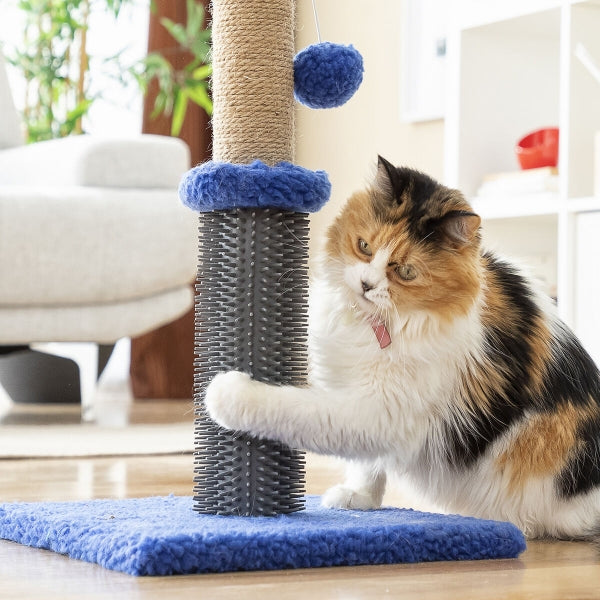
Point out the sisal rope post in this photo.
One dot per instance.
(253, 80)
(251, 304)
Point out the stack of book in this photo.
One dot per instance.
(519, 183)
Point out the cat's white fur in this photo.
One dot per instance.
(381, 408)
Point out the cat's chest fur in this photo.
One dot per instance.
(413, 377)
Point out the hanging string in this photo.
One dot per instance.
(316, 20)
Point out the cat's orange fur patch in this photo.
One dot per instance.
(451, 284)
(541, 354)
(542, 447)
(355, 220)
(477, 385)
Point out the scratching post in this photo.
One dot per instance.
(251, 315)
(250, 310)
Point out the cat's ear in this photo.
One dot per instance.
(388, 181)
(459, 227)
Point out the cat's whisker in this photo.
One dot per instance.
(427, 236)
(295, 246)
(303, 243)
(402, 343)
(289, 289)
(286, 274)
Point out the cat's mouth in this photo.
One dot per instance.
(374, 297)
(368, 305)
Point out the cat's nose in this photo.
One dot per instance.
(366, 286)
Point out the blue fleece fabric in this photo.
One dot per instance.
(326, 75)
(222, 185)
(164, 536)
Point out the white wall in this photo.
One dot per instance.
(345, 141)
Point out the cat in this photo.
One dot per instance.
(436, 360)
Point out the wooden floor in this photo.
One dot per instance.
(560, 570)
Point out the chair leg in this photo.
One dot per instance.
(86, 355)
(39, 375)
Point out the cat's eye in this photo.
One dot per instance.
(406, 272)
(364, 247)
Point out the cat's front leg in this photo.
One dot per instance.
(237, 402)
(336, 422)
(362, 489)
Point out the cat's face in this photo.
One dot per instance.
(407, 244)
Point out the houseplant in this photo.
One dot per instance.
(179, 82)
(55, 64)
(53, 58)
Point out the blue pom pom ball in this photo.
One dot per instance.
(326, 75)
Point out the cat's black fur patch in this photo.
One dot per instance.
(421, 188)
(423, 200)
(509, 350)
(572, 374)
(582, 471)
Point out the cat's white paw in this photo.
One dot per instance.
(228, 399)
(341, 496)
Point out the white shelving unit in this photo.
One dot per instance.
(512, 68)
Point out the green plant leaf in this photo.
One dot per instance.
(157, 61)
(161, 105)
(203, 72)
(81, 109)
(179, 110)
(195, 18)
(176, 30)
(199, 95)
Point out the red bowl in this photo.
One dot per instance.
(538, 149)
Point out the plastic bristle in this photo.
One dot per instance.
(251, 315)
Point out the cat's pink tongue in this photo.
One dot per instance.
(381, 333)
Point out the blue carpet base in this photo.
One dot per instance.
(164, 536)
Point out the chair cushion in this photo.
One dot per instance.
(144, 161)
(80, 245)
(101, 323)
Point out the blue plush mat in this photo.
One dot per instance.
(164, 536)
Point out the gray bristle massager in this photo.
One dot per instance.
(251, 316)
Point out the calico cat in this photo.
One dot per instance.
(434, 359)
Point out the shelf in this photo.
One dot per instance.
(589, 204)
(530, 205)
(513, 68)
(546, 203)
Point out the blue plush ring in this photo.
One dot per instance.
(222, 185)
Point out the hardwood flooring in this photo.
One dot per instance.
(547, 570)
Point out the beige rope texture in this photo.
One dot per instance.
(253, 80)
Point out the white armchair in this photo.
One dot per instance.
(94, 244)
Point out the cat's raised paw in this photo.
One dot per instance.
(227, 398)
(344, 497)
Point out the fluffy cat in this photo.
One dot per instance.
(434, 359)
